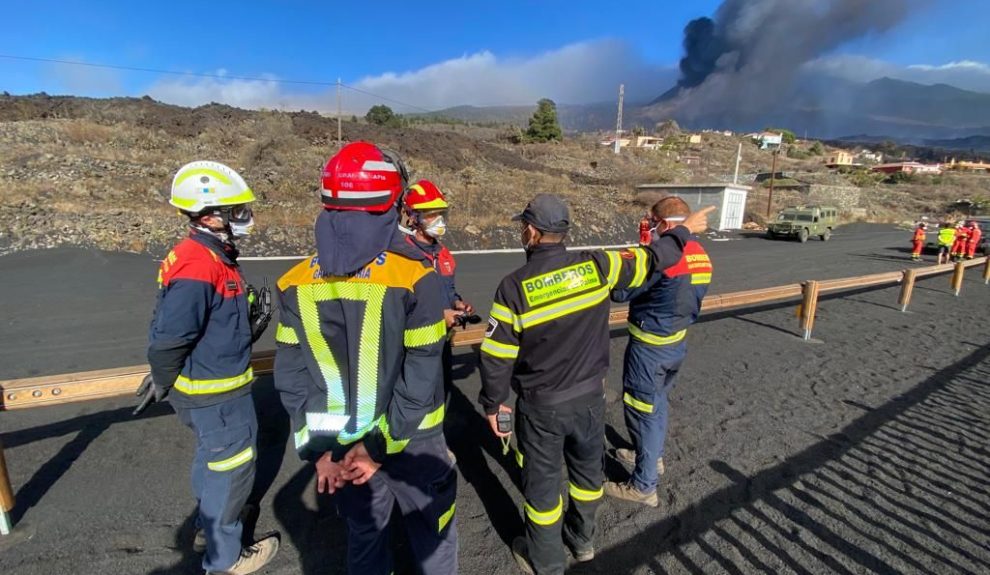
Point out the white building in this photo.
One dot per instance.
(729, 200)
(770, 141)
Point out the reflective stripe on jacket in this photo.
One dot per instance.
(662, 308)
(359, 357)
(200, 336)
(548, 333)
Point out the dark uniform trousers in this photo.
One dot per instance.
(421, 479)
(222, 473)
(575, 431)
(648, 375)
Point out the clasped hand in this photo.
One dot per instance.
(356, 467)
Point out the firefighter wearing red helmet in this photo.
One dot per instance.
(358, 367)
(424, 210)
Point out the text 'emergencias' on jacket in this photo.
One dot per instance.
(548, 334)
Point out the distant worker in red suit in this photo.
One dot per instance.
(918, 241)
(959, 245)
(975, 234)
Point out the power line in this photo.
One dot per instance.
(352, 88)
(215, 76)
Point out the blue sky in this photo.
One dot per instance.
(431, 54)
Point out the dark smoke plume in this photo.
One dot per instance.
(702, 48)
(740, 63)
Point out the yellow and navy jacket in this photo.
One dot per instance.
(359, 357)
(548, 333)
(661, 309)
(200, 337)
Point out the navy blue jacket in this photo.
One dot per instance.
(670, 300)
(200, 336)
(359, 356)
(443, 263)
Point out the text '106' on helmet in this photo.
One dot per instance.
(362, 177)
(202, 185)
(424, 196)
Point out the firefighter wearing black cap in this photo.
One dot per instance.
(547, 339)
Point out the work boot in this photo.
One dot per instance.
(580, 554)
(629, 493)
(253, 557)
(520, 551)
(628, 456)
(199, 541)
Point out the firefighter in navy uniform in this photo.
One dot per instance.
(424, 211)
(659, 314)
(358, 367)
(548, 339)
(200, 356)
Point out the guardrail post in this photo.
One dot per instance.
(809, 306)
(6, 496)
(986, 271)
(907, 287)
(957, 277)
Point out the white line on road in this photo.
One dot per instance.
(455, 252)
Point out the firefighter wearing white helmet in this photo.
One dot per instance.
(203, 189)
(205, 322)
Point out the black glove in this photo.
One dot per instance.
(151, 393)
(259, 309)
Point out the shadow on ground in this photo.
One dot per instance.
(900, 489)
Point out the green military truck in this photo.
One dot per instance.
(803, 222)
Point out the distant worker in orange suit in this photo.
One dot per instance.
(918, 241)
(959, 245)
(975, 234)
(645, 232)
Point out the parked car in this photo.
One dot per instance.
(803, 222)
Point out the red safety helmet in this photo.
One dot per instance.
(424, 196)
(362, 177)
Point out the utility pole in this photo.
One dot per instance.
(773, 176)
(339, 133)
(618, 121)
(735, 178)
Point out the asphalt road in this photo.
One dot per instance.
(863, 451)
(67, 310)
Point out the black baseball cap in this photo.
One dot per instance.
(547, 213)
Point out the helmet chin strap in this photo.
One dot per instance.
(223, 236)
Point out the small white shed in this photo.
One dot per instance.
(729, 200)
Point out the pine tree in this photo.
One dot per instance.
(543, 126)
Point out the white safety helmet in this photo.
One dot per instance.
(202, 185)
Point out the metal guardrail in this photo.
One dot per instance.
(67, 388)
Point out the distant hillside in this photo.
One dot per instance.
(819, 107)
(972, 143)
(573, 118)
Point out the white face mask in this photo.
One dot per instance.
(437, 228)
(242, 229)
